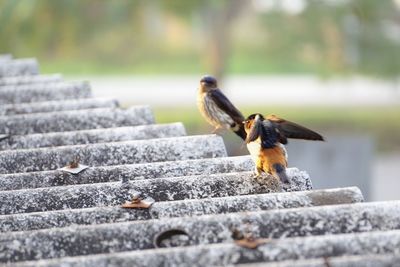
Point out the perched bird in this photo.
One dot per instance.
(266, 138)
(217, 109)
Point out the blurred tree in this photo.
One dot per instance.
(217, 18)
(193, 36)
(379, 46)
(351, 36)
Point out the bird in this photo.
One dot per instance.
(266, 137)
(216, 108)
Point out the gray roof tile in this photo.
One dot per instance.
(49, 213)
(179, 208)
(50, 106)
(17, 67)
(140, 132)
(115, 153)
(209, 229)
(73, 120)
(30, 79)
(57, 91)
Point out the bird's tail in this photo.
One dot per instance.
(279, 170)
(240, 131)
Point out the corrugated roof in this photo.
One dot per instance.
(206, 210)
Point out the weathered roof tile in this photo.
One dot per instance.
(160, 189)
(73, 120)
(30, 79)
(17, 67)
(208, 229)
(58, 91)
(202, 198)
(51, 106)
(93, 136)
(126, 172)
(179, 208)
(115, 153)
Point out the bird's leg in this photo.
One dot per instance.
(258, 170)
(216, 130)
(262, 178)
(257, 173)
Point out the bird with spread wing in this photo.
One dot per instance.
(266, 137)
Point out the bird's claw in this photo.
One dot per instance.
(216, 130)
(259, 178)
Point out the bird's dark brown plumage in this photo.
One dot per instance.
(265, 140)
(293, 130)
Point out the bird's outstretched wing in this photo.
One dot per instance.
(224, 104)
(265, 131)
(293, 130)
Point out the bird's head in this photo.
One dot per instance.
(253, 126)
(208, 82)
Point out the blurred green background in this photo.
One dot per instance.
(327, 40)
(197, 36)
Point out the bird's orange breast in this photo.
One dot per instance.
(271, 156)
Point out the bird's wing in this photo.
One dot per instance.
(224, 104)
(270, 135)
(292, 130)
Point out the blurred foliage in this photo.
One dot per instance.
(192, 36)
